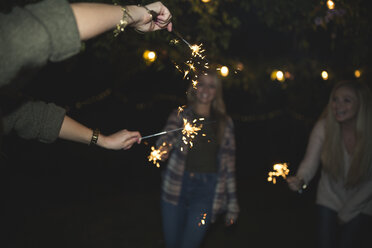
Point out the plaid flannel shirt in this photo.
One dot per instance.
(225, 199)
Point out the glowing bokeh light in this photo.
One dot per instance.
(330, 4)
(149, 56)
(357, 73)
(224, 71)
(280, 76)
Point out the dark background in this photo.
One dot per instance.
(67, 194)
(70, 194)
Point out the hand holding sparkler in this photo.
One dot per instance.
(158, 17)
(296, 183)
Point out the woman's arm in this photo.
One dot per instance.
(228, 157)
(95, 18)
(310, 163)
(74, 131)
(52, 30)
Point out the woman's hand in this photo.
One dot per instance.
(144, 21)
(295, 183)
(123, 139)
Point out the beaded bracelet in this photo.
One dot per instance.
(120, 27)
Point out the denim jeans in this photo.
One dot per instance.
(185, 224)
(353, 234)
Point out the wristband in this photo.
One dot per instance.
(95, 135)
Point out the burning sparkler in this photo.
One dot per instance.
(279, 170)
(190, 130)
(180, 109)
(202, 219)
(180, 37)
(196, 64)
(157, 154)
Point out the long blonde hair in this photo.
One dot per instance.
(332, 152)
(218, 107)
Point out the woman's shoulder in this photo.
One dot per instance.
(321, 123)
(319, 127)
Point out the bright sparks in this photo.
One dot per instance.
(157, 154)
(190, 130)
(194, 83)
(196, 50)
(180, 109)
(195, 65)
(203, 218)
(279, 170)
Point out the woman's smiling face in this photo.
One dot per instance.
(345, 104)
(206, 90)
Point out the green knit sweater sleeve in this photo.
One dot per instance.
(35, 34)
(35, 120)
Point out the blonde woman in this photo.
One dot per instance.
(341, 141)
(198, 183)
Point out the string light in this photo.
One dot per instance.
(280, 76)
(224, 71)
(324, 75)
(357, 73)
(277, 75)
(330, 4)
(149, 56)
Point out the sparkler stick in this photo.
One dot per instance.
(161, 133)
(180, 37)
(169, 131)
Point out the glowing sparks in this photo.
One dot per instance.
(202, 219)
(181, 109)
(279, 170)
(196, 50)
(157, 154)
(195, 65)
(174, 41)
(194, 83)
(190, 130)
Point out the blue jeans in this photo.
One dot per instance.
(353, 234)
(185, 224)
